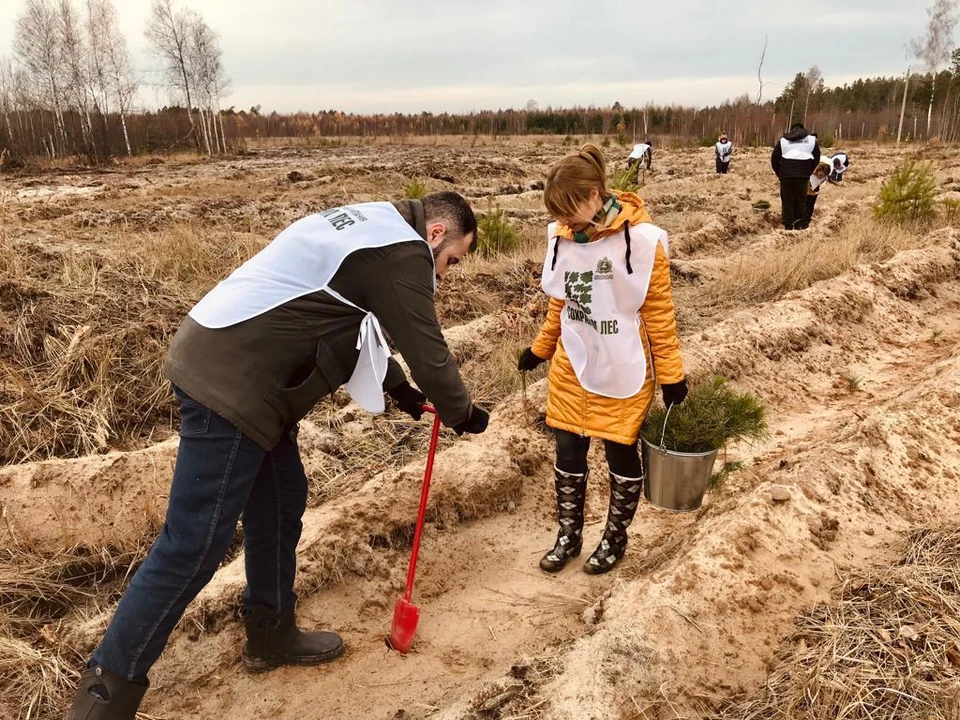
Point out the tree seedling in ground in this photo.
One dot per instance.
(853, 382)
(495, 232)
(414, 190)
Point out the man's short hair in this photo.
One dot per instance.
(453, 209)
(796, 126)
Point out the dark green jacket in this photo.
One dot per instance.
(266, 373)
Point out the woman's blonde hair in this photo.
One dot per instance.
(572, 179)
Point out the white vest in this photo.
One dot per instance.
(599, 322)
(639, 150)
(724, 150)
(842, 157)
(302, 260)
(798, 149)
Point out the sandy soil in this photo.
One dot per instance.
(860, 372)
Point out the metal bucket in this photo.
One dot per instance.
(675, 480)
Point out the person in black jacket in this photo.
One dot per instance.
(795, 157)
(306, 315)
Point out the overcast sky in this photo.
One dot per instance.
(436, 55)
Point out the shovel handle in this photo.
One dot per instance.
(425, 491)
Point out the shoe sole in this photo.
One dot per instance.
(259, 666)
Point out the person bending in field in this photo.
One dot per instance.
(295, 322)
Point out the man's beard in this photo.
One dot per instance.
(444, 244)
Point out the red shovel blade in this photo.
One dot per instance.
(406, 615)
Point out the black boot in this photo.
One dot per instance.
(571, 493)
(274, 640)
(101, 695)
(624, 497)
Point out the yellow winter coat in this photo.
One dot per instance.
(569, 406)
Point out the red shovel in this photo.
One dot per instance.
(406, 615)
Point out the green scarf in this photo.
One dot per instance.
(605, 215)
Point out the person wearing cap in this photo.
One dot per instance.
(724, 151)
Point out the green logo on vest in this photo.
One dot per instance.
(604, 269)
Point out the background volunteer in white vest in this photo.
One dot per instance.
(838, 166)
(247, 364)
(724, 151)
(794, 158)
(641, 155)
(611, 332)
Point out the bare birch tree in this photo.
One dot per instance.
(110, 59)
(168, 31)
(8, 104)
(933, 49)
(814, 79)
(38, 45)
(766, 40)
(204, 56)
(76, 58)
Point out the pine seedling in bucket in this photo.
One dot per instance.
(680, 443)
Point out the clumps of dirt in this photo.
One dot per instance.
(724, 231)
(512, 696)
(824, 530)
(112, 500)
(887, 647)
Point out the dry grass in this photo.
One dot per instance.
(38, 681)
(371, 445)
(82, 349)
(757, 278)
(42, 595)
(87, 326)
(87, 307)
(887, 649)
(518, 695)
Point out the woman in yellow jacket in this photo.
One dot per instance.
(611, 332)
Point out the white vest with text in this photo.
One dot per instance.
(302, 260)
(599, 322)
(798, 149)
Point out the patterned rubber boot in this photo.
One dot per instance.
(624, 498)
(571, 494)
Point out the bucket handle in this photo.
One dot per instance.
(663, 432)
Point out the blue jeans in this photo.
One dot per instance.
(221, 476)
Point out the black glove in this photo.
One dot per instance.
(528, 360)
(475, 423)
(674, 393)
(408, 399)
